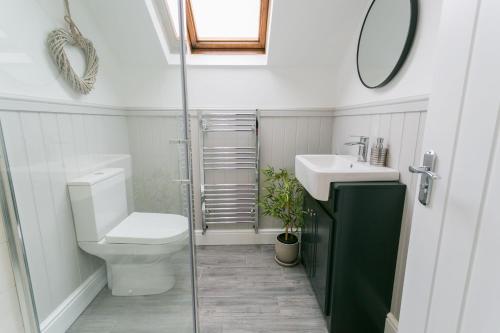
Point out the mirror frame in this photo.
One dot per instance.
(406, 48)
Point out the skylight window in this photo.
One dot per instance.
(227, 25)
(226, 19)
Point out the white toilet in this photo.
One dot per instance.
(136, 247)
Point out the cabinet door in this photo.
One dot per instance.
(307, 244)
(322, 256)
(364, 255)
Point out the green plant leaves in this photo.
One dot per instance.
(283, 197)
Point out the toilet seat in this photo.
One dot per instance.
(149, 229)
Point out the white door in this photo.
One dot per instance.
(452, 281)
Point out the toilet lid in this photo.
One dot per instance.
(149, 228)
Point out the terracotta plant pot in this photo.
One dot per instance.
(287, 251)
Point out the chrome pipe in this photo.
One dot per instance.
(228, 163)
(229, 130)
(222, 185)
(217, 114)
(230, 168)
(231, 119)
(236, 203)
(208, 195)
(230, 190)
(220, 219)
(234, 199)
(229, 152)
(231, 158)
(237, 124)
(229, 214)
(229, 222)
(221, 147)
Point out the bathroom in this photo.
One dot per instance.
(146, 147)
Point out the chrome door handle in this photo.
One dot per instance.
(428, 176)
(423, 170)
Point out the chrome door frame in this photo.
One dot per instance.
(187, 138)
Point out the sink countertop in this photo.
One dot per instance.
(316, 172)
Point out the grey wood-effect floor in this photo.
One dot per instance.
(167, 312)
(240, 290)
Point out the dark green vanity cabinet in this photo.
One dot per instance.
(349, 250)
(316, 248)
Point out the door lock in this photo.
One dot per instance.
(427, 176)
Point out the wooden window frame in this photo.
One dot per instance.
(228, 46)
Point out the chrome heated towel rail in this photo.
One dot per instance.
(229, 167)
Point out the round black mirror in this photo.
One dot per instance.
(385, 40)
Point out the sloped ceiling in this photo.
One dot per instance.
(302, 33)
(314, 32)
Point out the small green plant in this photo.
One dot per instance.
(283, 197)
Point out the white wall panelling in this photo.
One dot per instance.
(281, 138)
(9, 305)
(47, 146)
(70, 309)
(45, 150)
(155, 162)
(402, 129)
(284, 133)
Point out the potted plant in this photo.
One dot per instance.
(282, 199)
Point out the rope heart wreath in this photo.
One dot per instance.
(56, 41)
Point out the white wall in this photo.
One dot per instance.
(414, 77)
(25, 65)
(232, 87)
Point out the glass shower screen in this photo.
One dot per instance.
(95, 195)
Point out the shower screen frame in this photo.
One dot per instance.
(15, 240)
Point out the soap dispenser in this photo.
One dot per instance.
(378, 153)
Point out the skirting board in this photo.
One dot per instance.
(68, 311)
(391, 324)
(236, 236)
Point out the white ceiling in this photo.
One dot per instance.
(302, 33)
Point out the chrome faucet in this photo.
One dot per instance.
(363, 148)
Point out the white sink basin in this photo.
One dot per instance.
(316, 172)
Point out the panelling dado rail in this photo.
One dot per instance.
(49, 142)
